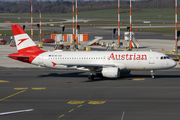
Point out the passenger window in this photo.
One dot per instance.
(164, 57)
(161, 58)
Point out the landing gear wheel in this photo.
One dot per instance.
(152, 74)
(153, 77)
(99, 75)
(91, 77)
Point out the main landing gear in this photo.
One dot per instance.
(91, 76)
(152, 74)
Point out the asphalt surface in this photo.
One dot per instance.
(59, 94)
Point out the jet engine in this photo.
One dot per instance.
(112, 72)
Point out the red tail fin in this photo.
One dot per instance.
(23, 42)
(27, 49)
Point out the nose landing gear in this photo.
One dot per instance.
(152, 74)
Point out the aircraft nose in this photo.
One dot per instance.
(173, 63)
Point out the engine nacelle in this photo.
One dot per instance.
(111, 72)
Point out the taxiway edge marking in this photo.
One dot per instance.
(61, 115)
(71, 110)
(12, 95)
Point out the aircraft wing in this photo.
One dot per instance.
(88, 65)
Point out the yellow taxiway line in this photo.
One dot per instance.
(12, 95)
(61, 116)
(71, 110)
(75, 102)
(2, 81)
(138, 79)
(96, 102)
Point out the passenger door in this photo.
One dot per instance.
(151, 58)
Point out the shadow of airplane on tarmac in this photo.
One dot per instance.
(123, 76)
(75, 74)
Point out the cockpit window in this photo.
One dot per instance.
(164, 57)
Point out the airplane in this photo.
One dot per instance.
(110, 64)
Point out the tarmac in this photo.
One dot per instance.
(69, 95)
(54, 94)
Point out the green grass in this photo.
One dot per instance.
(22, 20)
(156, 14)
(158, 30)
(148, 14)
(155, 30)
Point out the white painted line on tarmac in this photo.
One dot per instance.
(19, 111)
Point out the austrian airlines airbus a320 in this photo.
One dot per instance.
(107, 63)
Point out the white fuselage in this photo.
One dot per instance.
(124, 60)
(108, 63)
